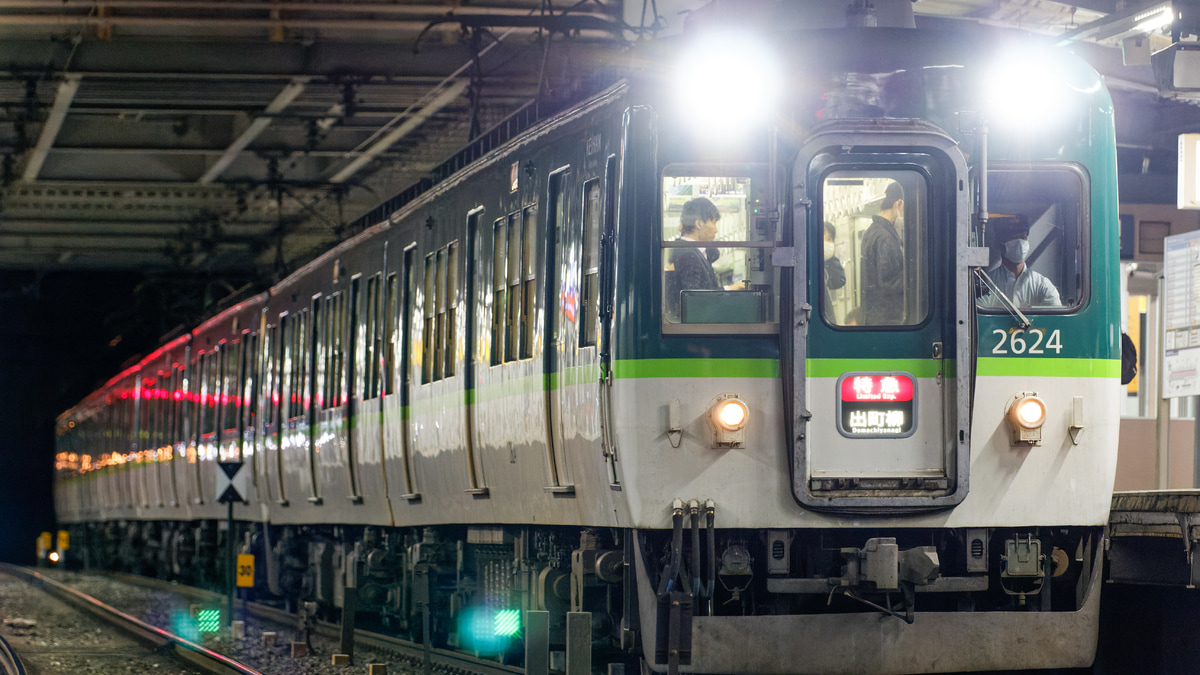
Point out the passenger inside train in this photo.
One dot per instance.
(883, 214)
(716, 252)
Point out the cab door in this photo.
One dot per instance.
(881, 362)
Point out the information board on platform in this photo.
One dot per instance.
(1181, 304)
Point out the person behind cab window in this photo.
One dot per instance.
(882, 269)
(693, 266)
(1022, 285)
(835, 274)
(690, 269)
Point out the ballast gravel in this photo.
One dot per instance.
(51, 636)
(173, 612)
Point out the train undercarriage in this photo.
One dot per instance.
(463, 587)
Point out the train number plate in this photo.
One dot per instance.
(877, 405)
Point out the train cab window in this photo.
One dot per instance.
(1036, 237)
(716, 241)
(875, 244)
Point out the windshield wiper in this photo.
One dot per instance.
(1022, 320)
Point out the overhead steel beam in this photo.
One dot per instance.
(134, 58)
(427, 10)
(282, 101)
(54, 122)
(442, 99)
(594, 28)
(1117, 23)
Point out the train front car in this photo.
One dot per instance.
(890, 383)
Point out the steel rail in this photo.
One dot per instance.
(10, 661)
(406, 648)
(141, 631)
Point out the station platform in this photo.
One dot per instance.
(1152, 535)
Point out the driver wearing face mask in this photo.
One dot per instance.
(1025, 287)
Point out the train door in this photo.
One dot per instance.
(141, 441)
(196, 445)
(175, 430)
(879, 365)
(228, 403)
(271, 415)
(599, 267)
(555, 391)
(474, 218)
(153, 452)
(411, 489)
(356, 325)
(248, 392)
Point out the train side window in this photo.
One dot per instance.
(513, 322)
(449, 310)
(717, 275)
(440, 310)
(320, 344)
(590, 287)
(208, 409)
(270, 380)
(285, 367)
(390, 334)
(875, 246)
(304, 361)
(145, 415)
(333, 350)
(290, 367)
(1037, 236)
(175, 404)
(529, 281)
(371, 354)
(439, 314)
(499, 288)
(428, 313)
(249, 389)
(231, 402)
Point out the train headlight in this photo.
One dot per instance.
(726, 84)
(1026, 415)
(728, 415)
(1031, 89)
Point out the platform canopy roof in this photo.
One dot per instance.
(238, 134)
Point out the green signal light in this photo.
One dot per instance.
(507, 623)
(208, 620)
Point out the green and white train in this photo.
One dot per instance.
(503, 397)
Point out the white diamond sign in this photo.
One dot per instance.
(231, 482)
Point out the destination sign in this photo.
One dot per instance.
(876, 405)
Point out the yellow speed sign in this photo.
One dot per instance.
(245, 570)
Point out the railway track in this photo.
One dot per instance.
(10, 661)
(398, 649)
(156, 639)
(402, 656)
